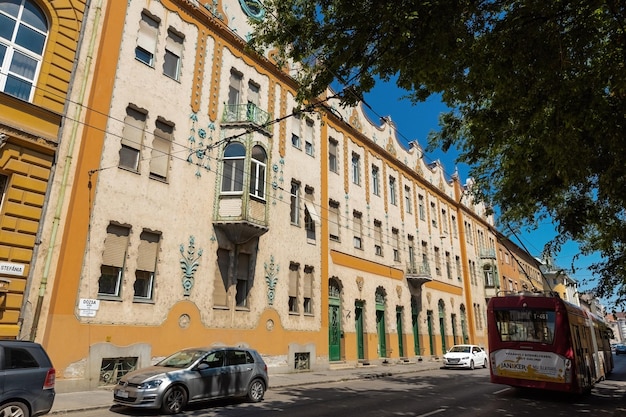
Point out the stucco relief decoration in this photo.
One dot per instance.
(354, 121)
(278, 181)
(390, 147)
(428, 297)
(271, 277)
(200, 143)
(452, 302)
(213, 8)
(399, 291)
(189, 264)
(359, 283)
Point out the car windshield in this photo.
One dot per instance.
(461, 349)
(182, 359)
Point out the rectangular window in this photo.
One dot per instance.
(132, 139)
(425, 263)
(295, 203)
(173, 54)
(375, 180)
(437, 261)
(294, 283)
(395, 241)
(161, 148)
(378, 238)
(333, 220)
(407, 199)
(448, 266)
(113, 259)
(356, 169)
(411, 252)
(459, 273)
(357, 229)
(332, 155)
(393, 199)
(422, 209)
(252, 109)
(308, 290)
(308, 137)
(147, 39)
(257, 172)
(454, 229)
(146, 264)
(444, 221)
(296, 140)
(234, 95)
(433, 214)
(221, 280)
(311, 218)
(243, 280)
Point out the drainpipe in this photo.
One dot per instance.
(68, 163)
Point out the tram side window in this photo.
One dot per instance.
(526, 325)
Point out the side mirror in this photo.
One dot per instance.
(202, 366)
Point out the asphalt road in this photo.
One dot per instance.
(438, 393)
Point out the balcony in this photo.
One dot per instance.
(418, 274)
(487, 253)
(246, 115)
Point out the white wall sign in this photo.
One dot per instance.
(10, 268)
(87, 307)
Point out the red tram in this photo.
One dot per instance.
(537, 340)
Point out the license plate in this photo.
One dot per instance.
(121, 393)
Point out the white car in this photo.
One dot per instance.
(465, 356)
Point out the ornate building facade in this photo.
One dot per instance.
(38, 44)
(198, 203)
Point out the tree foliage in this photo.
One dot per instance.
(537, 91)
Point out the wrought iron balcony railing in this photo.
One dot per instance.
(246, 113)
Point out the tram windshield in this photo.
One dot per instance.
(525, 325)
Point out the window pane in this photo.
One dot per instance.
(30, 39)
(7, 26)
(143, 284)
(34, 17)
(3, 51)
(129, 157)
(11, 7)
(23, 65)
(143, 55)
(109, 280)
(18, 88)
(170, 65)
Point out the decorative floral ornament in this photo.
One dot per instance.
(189, 265)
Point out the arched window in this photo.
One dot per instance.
(257, 172)
(23, 34)
(232, 176)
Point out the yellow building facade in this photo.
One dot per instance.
(38, 44)
(195, 202)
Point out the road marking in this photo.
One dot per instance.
(432, 413)
(501, 391)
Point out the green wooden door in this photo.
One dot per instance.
(334, 331)
(358, 319)
(399, 328)
(429, 319)
(380, 327)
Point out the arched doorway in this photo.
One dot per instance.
(334, 320)
(429, 322)
(358, 322)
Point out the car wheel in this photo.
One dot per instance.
(485, 364)
(256, 391)
(471, 364)
(174, 399)
(14, 409)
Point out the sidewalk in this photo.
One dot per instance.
(103, 398)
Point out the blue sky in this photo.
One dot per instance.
(415, 122)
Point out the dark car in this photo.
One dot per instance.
(193, 375)
(27, 379)
(620, 349)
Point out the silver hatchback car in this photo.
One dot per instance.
(193, 375)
